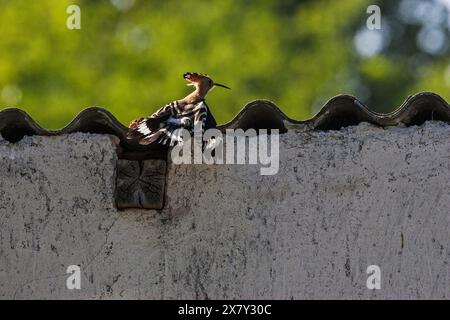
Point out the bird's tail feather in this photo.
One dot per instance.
(147, 140)
(133, 133)
(143, 127)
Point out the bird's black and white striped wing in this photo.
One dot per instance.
(203, 120)
(200, 116)
(162, 127)
(148, 129)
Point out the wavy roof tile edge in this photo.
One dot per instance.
(340, 111)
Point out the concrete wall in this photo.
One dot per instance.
(343, 200)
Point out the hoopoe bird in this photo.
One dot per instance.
(189, 112)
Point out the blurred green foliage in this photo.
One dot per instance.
(129, 56)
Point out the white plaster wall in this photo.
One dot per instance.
(342, 200)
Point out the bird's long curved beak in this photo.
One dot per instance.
(221, 85)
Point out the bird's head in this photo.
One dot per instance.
(202, 82)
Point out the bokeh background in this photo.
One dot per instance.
(129, 55)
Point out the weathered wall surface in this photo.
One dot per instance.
(343, 200)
